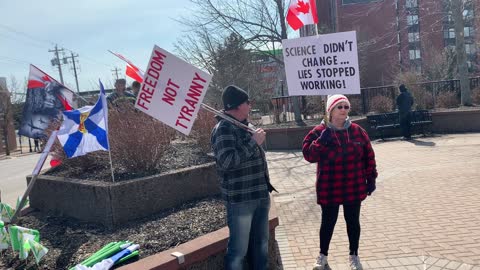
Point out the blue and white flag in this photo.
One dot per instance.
(86, 129)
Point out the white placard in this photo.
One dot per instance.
(322, 65)
(172, 90)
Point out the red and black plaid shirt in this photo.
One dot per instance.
(343, 164)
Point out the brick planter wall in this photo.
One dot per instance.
(205, 252)
(114, 203)
(443, 122)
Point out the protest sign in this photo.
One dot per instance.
(172, 90)
(322, 65)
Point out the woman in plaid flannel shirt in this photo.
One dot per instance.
(346, 173)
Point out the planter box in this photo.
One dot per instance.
(114, 203)
(205, 252)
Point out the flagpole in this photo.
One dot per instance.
(111, 164)
(105, 115)
(35, 173)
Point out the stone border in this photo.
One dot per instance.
(197, 251)
(115, 203)
(443, 122)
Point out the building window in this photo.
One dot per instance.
(414, 54)
(414, 37)
(449, 17)
(468, 31)
(412, 20)
(470, 48)
(411, 3)
(467, 14)
(449, 33)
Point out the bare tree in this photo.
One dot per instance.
(260, 24)
(457, 13)
(17, 91)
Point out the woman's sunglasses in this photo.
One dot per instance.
(346, 107)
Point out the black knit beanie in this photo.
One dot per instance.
(233, 96)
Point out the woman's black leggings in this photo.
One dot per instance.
(351, 213)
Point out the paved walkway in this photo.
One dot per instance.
(425, 213)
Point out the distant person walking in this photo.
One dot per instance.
(245, 183)
(346, 174)
(37, 147)
(404, 104)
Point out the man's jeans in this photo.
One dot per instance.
(248, 222)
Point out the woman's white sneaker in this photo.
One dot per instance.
(354, 262)
(322, 263)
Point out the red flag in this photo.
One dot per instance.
(134, 73)
(302, 12)
(131, 71)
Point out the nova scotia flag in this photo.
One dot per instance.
(86, 129)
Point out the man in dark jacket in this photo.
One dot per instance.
(245, 184)
(404, 104)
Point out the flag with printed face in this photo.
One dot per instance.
(46, 99)
(132, 70)
(86, 129)
(301, 12)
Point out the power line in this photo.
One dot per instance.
(75, 69)
(56, 62)
(116, 70)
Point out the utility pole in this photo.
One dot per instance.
(56, 62)
(457, 12)
(75, 70)
(116, 70)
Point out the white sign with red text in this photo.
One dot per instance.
(172, 90)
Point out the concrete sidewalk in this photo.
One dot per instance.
(425, 213)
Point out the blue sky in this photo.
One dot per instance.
(29, 29)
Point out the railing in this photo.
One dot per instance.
(362, 103)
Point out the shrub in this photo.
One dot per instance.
(429, 104)
(202, 129)
(312, 105)
(137, 140)
(447, 99)
(355, 104)
(476, 95)
(381, 104)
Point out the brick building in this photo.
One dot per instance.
(399, 35)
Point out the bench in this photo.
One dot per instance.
(421, 122)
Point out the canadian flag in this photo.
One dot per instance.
(131, 71)
(134, 73)
(301, 12)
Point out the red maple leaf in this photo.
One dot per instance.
(303, 7)
(46, 78)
